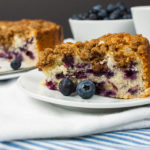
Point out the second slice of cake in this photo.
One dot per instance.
(118, 64)
(24, 39)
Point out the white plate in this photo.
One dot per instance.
(31, 84)
(6, 72)
(10, 76)
(14, 73)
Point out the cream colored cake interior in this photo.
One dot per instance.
(121, 86)
(19, 43)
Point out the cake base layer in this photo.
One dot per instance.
(25, 51)
(111, 82)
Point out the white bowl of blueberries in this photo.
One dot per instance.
(115, 18)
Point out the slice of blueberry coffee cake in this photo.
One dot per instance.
(20, 41)
(117, 64)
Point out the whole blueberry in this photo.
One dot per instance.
(101, 14)
(106, 18)
(110, 8)
(128, 11)
(75, 17)
(122, 8)
(118, 4)
(66, 86)
(96, 8)
(92, 16)
(80, 16)
(115, 14)
(127, 16)
(86, 89)
(15, 64)
(84, 16)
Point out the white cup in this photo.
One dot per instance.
(141, 17)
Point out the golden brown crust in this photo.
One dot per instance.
(49, 38)
(47, 33)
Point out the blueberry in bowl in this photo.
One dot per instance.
(97, 21)
(119, 10)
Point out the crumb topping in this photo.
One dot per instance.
(23, 28)
(95, 50)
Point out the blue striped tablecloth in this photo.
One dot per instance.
(133, 139)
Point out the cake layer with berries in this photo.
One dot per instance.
(21, 41)
(118, 65)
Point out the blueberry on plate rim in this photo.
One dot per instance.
(66, 87)
(86, 89)
(15, 64)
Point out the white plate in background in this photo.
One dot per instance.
(5, 75)
(30, 83)
(6, 72)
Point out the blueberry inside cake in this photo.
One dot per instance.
(118, 65)
(20, 41)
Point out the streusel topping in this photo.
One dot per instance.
(23, 28)
(95, 50)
